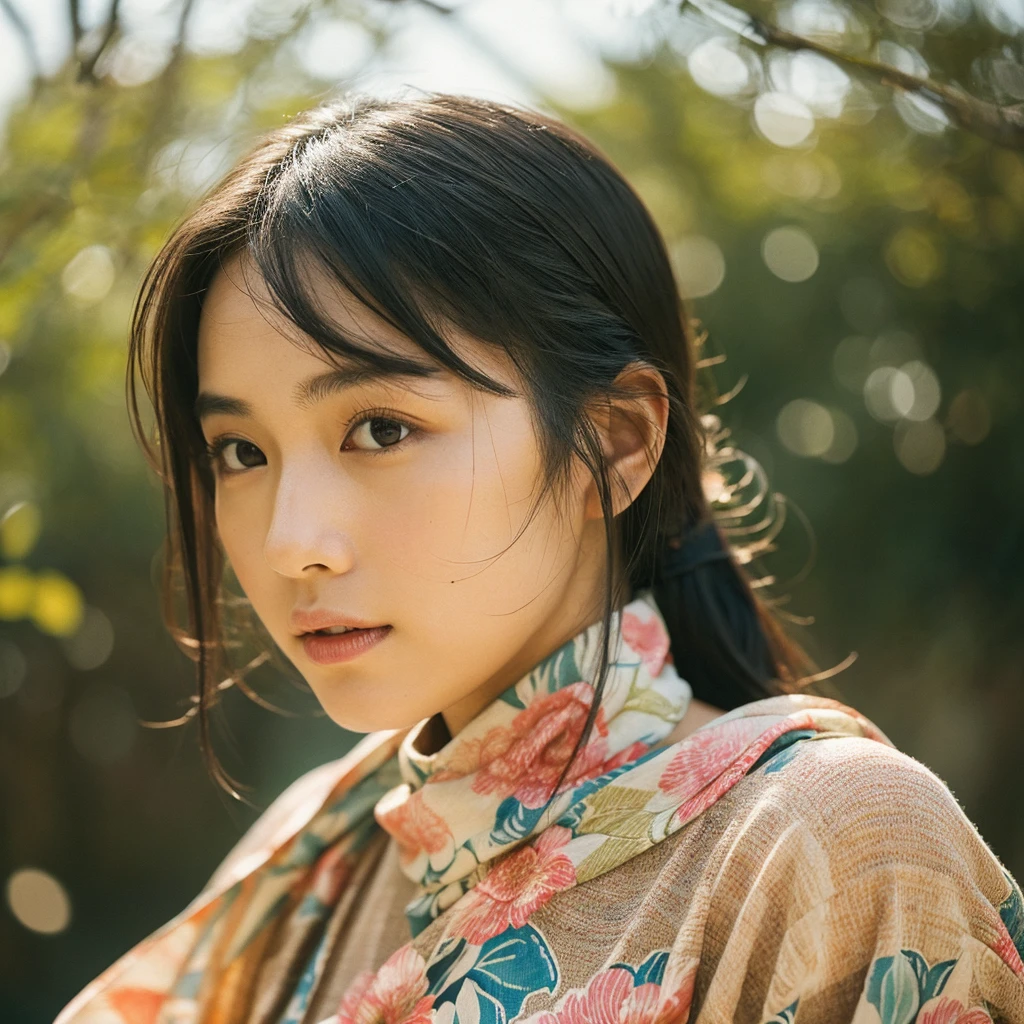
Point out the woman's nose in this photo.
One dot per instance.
(305, 535)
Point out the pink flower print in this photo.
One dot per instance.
(1006, 949)
(705, 754)
(526, 757)
(610, 998)
(515, 888)
(396, 994)
(601, 1001)
(417, 828)
(674, 996)
(649, 639)
(945, 1010)
(713, 759)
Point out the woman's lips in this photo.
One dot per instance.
(329, 649)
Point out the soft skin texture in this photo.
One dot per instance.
(414, 528)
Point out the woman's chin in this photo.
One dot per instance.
(375, 718)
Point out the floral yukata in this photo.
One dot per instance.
(784, 864)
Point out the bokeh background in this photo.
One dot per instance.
(853, 249)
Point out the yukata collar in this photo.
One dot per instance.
(491, 787)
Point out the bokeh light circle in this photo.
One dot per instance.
(718, 68)
(38, 901)
(927, 390)
(805, 427)
(969, 417)
(89, 274)
(844, 437)
(888, 394)
(790, 254)
(92, 644)
(699, 265)
(783, 119)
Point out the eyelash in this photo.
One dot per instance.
(215, 448)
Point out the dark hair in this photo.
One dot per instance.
(441, 210)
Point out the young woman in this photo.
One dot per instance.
(424, 383)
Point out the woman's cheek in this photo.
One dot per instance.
(242, 533)
(432, 514)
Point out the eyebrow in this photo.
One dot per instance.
(311, 391)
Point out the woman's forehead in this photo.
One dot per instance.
(238, 298)
(241, 325)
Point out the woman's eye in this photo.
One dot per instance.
(236, 455)
(381, 431)
(373, 434)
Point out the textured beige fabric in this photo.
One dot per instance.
(787, 888)
(367, 930)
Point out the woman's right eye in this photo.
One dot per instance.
(243, 452)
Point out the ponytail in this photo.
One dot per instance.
(723, 642)
(726, 639)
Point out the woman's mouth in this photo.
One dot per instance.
(330, 648)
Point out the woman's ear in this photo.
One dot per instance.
(632, 434)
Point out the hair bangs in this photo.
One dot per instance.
(304, 240)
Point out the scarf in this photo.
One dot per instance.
(481, 828)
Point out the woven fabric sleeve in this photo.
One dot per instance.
(873, 898)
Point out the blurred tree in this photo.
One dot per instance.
(855, 253)
(829, 29)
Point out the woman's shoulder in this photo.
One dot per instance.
(828, 823)
(869, 809)
(821, 758)
(809, 786)
(842, 780)
(795, 786)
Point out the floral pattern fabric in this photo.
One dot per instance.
(783, 863)
(507, 776)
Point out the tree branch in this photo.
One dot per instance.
(75, 21)
(167, 86)
(87, 68)
(183, 19)
(1002, 125)
(24, 33)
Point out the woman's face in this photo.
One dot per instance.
(395, 503)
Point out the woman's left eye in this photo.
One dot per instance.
(383, 431)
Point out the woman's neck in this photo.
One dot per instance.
(458, 715)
